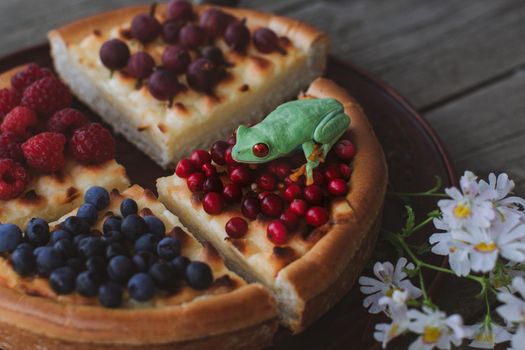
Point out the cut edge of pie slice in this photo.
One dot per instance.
(50, 196)
(229, 314)
(308, 285)
(257, 83)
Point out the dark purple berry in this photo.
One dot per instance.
(215, 21)
(180, 10)
(202, 75)
(214, 54)
(163, 84)
(265, 40)
(176, 58)
(237, 35)
(192, 36)
(170, 30)
(140, 65)
(145, 28)
(114, 54)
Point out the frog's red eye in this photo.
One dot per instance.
(260, 150)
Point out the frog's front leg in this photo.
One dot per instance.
(330, 129)
(310, 149)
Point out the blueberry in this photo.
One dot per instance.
(97, 265)
(74, 225)
(23, 260)
(112, 223)
(77, 263)
(133, 226)
(141, 287)
(38, 250)
(88, 212)
(179, 264)
(62, 280)
(120, 269)
(155, 225)
(47, 260)
(98, 196)
(146, 242)
(112, 236)
(143, 260)
(168, 248)
(87, 284)
(58, 235)
(10, 237)
(25, 246)
(110, 294)
(37, 232)
(92, 246)
(163, 275)
(199, 275)
(115, 249)
(79, 238)
(65, 248)
(128, 207)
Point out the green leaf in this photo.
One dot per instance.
(410, 222)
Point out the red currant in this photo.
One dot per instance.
(313, 194)
(184, 168)
(195, 182)
(277, 232)
(290, 220)
(337, 187)
(272, 205)
(241, 175)
(212, 203)
(298, 207)
(209, 170)
(232, 193)
(316, 216)
(236, 227)
(292, 192)
(266, 181)
(200, 157)
(345, 149)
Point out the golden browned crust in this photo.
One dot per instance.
(340, 255)
(300, 33)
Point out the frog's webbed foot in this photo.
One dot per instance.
(297, 173)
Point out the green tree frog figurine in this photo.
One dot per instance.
(313, 124)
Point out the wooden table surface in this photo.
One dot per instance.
(460, 63)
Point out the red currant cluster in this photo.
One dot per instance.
(266, 190)
(190, 51)
(36, 126)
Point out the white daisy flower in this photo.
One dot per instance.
(503, 187)
(502, 279)
(469, 207)
(518, 339)
(389, 279)
(487, 336)
(397, 311)
(435, 329)
(458, 252)
(512, 309)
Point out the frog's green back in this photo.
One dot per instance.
(301, 112)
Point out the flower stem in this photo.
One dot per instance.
(417, 194)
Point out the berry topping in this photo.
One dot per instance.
(199, 275)
(344, 149)
(292, 192)
(192, 36)
(232, 193)
(265, 40)
(218, 152)
(332, 171)
(180, 10)
(209, 170)
(37, 232)
(200, 157)
(241, 175)
(250, 207)
(92, 246)
(120, 269)
(236, 227)
(266, 182)
(179, 265)
(88, 212)
(154, 225)
(128, 207)
(272, 205)
(10, 147)
(316, 216)
(10, 237)
(176, 58)
(277, 232)
(45, 151)
(145, 27)
(141, 287)
(202, 75)
(110, 295)
(47, 260)
(215, 21)
(163, 275)
(163, 84)
(228, 156)
(133, 226)
(114, 54)
(313, 194)
(290, 220)
(212, 203)
(184, 168)
(214, 54)
(337, 187)
(23, 260)
(27, 76)
(97, 196)
(298, 207)
(345, 170)
(47, 96)
(146, 243)
(92, 144)
(19, 122)
(144, 260)
(66, 121)
(168, 248)
(58, 235)
(195, 182)
(62, 280)
(170, 30)
(280, 168)
(9, 99)
(212, 184)
(237, 35)
(87, 284)
(140, 65)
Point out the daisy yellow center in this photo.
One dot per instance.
(485, 247)
(431, 335)
(485, 337)
(462, 211)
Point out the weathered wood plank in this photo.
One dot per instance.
(485, 131)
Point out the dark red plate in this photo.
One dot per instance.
(415, 156)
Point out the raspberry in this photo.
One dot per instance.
(31, 73)
(45, 151)
(92, 143)
(46, 96)
(10, 147)
(19, 121)
(13, 179)
(9, 99)
(66, 121)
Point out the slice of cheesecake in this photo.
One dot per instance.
(249, 82)
(307, 244)
(204, 310)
